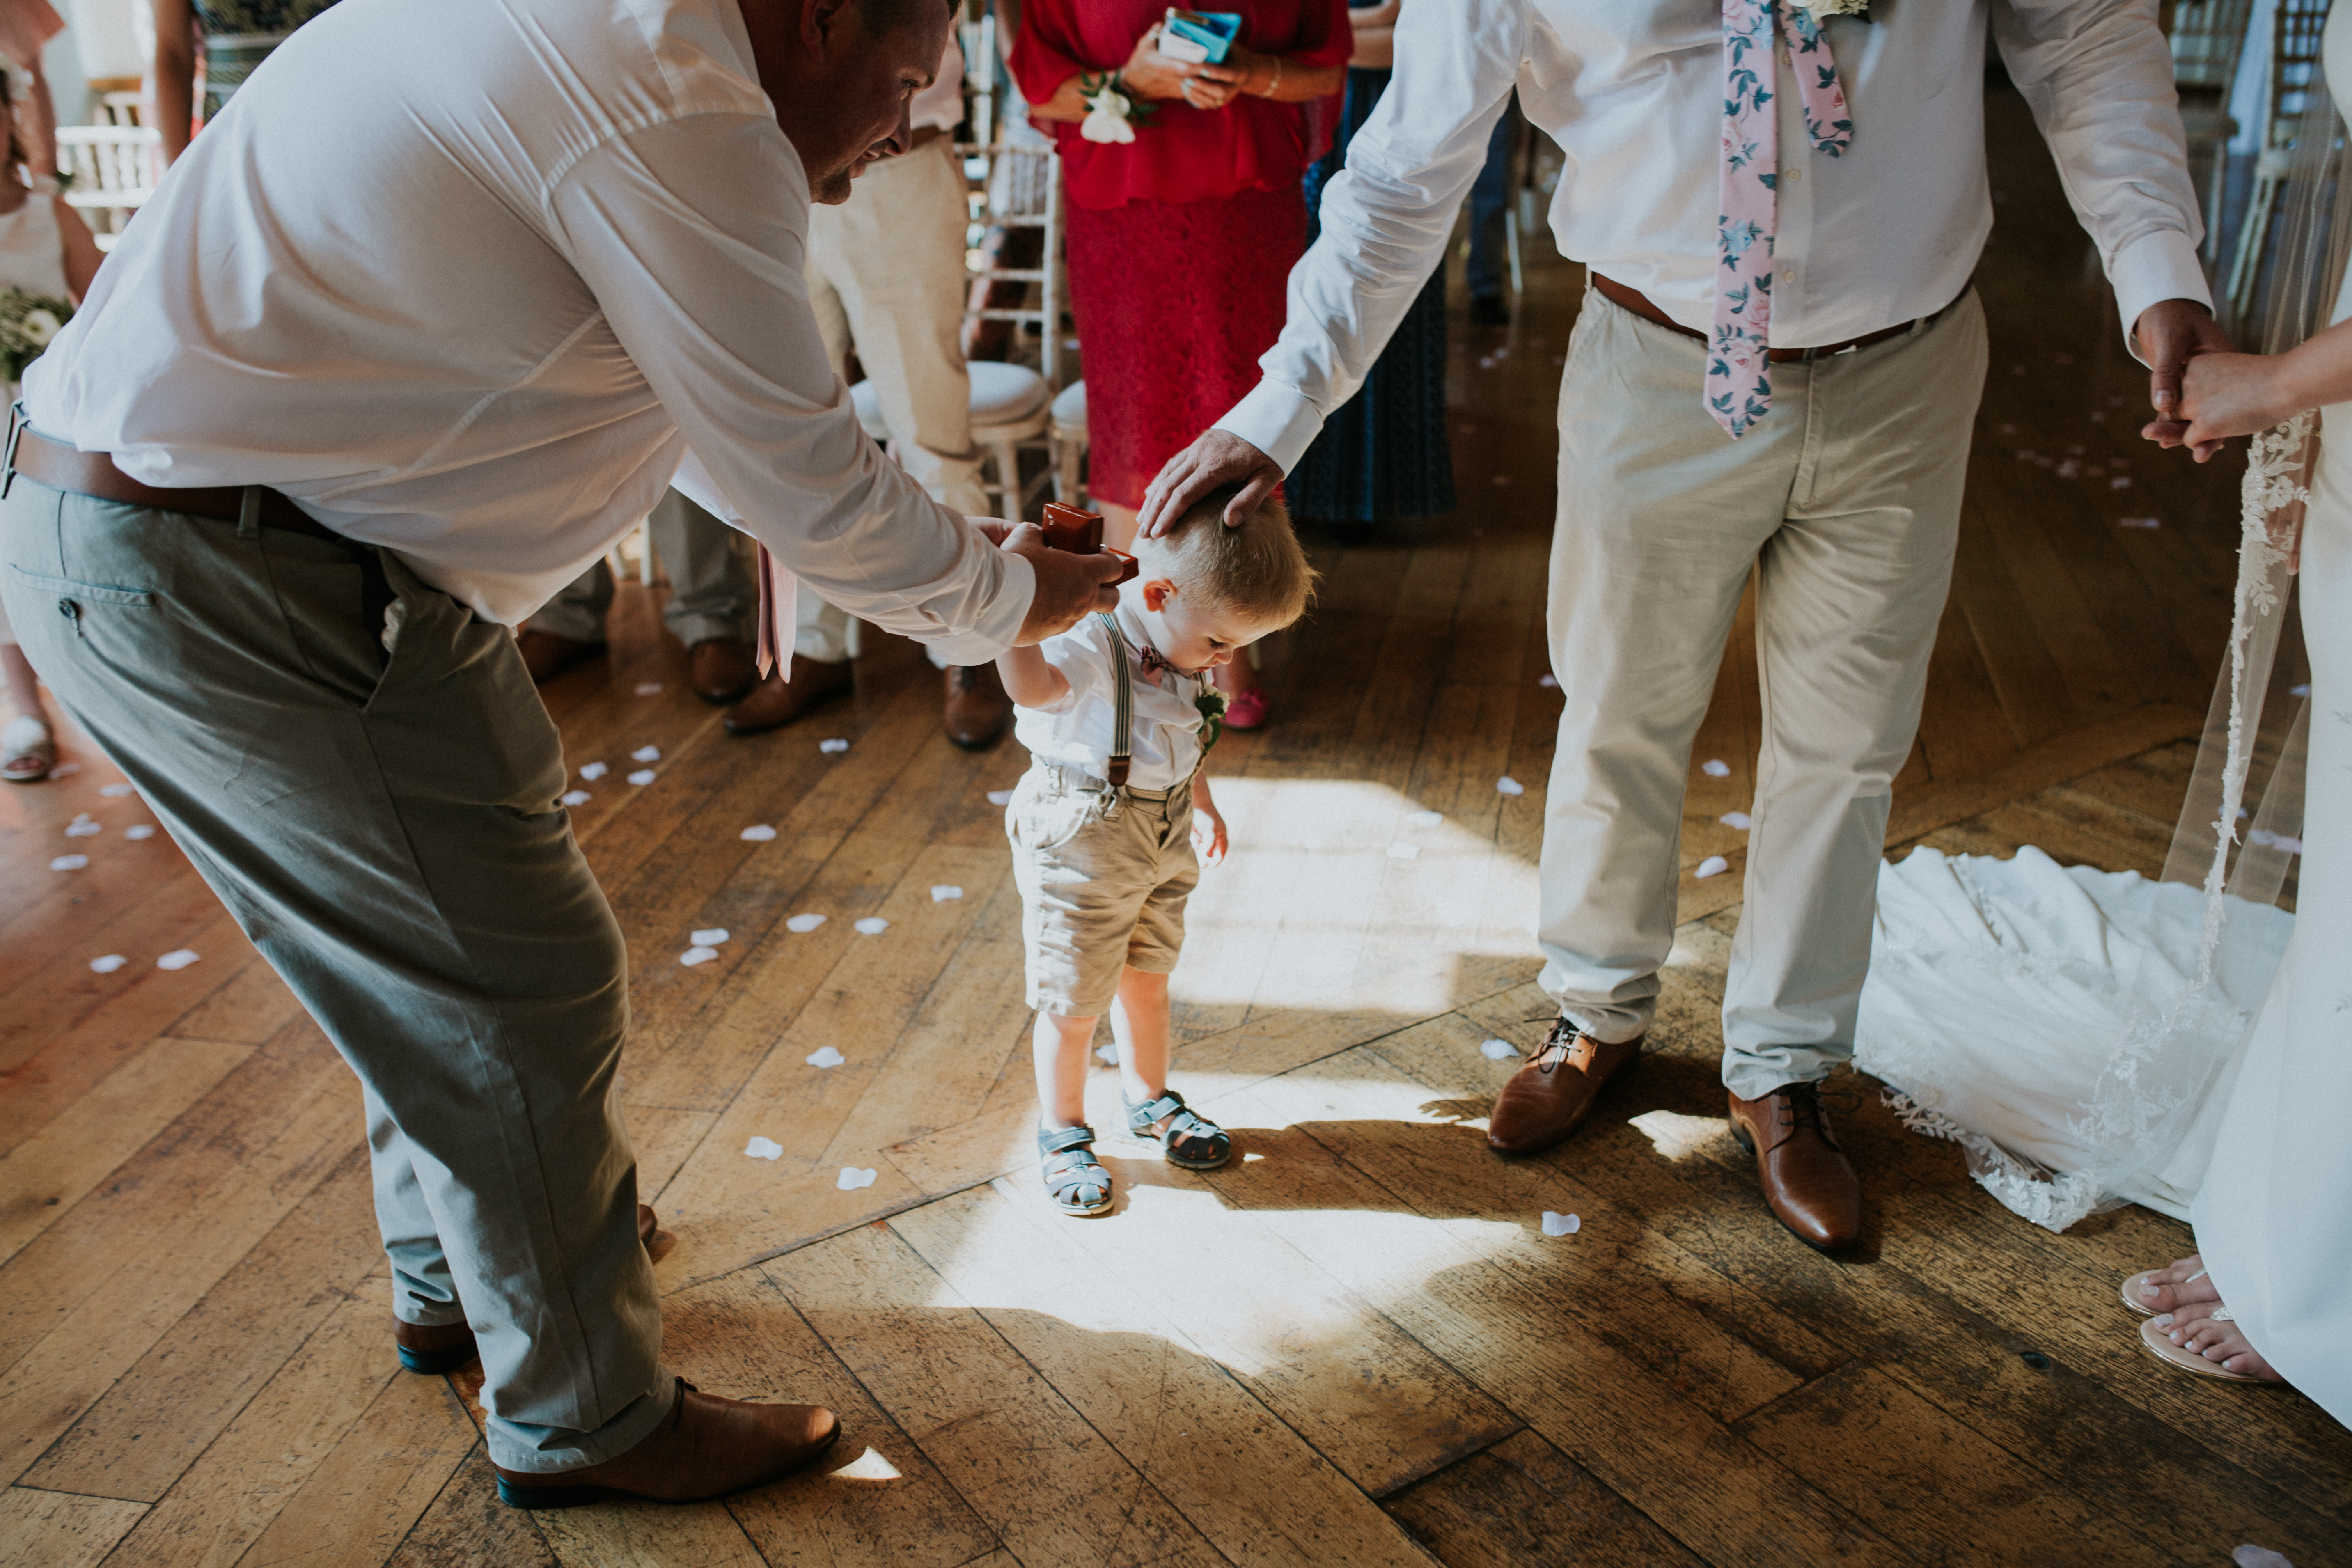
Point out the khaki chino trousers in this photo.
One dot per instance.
(361, 769)
(1844, 503)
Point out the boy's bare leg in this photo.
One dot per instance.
(1058, 1048)
(1138, 1021)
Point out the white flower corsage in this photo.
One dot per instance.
(1112, 113)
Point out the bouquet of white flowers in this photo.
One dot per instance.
(28, 323)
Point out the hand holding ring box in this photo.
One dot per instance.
(1081, 533)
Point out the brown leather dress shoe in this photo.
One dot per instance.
(776, 702)
(709, 1448)
(547, 656)
(1550, 1096)
(1808, 1181)
(978, 711)
(721, 670)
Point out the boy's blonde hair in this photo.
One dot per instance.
(1257, 569)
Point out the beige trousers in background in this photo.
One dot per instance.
(885, 276)
(1844, 502)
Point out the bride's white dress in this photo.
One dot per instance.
(2050, 1018)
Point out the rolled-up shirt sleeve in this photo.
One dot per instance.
(2098, 76)
(1386, 217)
(697, 264)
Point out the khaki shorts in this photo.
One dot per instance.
(1103, 878)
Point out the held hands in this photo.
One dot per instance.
(1069, 587)
(1208, 833)
(2174, 334)
(1219, 458)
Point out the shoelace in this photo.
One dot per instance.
(1805, 1110)
(1564, 1035)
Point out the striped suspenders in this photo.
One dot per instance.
(1122, 747)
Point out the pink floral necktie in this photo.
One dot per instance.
(1738, 369)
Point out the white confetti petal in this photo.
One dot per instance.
(591, 772)
(1548, 683)
(1107, 1055)
(2138, 521)
(65, 770)
(1715, 768)
(758, 833)
(1497, 1050)
(82, 827)
(1506, 785)
(2069, 469)
(575, 797)
(803, 924)
(1713, 866)
(1738, 819)
(108, 964)
(114, 791)
(1000, 797)
(139, 830)
(853, 1178)
(648, 687)
(178, 958)
(832, 747)
(764, 1148)
(694, 955)
(2121, 483)
(647, 755)
(1424, 819)
(1561, 1224)
(872, 925)
(2250, 1555)
(945, 892)
(1404, 849)
(824, 1057)
(641, 777)
(711, 936)
(68, 862)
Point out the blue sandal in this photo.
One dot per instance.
(1075, 1180)
(1193, 1140)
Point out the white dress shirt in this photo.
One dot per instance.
(1078, 731)
(468, 278)
(1633, 92)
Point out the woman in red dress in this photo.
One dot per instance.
(1181, 240)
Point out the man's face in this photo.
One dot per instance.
(841, 91)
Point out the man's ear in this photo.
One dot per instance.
(824, 26)
(1157, 592)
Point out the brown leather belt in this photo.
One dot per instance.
(61, 467)
(1634, 299)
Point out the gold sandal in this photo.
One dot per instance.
(2188, 1360)
(2126, 1288)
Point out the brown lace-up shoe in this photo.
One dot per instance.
(1549, 1098)
(1808, 1181)
(436, 1348)
(978, 710)
(709, 1448)
(776, 702)
(547, 656)
(721, 670)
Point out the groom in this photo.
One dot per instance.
(1776, 372)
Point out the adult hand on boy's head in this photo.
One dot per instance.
(1070, 587)
(1218, 459)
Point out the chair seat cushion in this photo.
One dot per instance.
(1006, 393)
(1070, 409)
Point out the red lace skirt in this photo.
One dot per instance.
(1174, 302)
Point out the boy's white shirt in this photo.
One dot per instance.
(1077, 731)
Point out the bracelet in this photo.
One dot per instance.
(1276, 86)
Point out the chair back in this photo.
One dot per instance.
(112, 170)
(1017, 186)
(2294, 65)
(2208, 36)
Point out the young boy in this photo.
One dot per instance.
(1117, 713)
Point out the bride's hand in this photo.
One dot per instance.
(2226, 394)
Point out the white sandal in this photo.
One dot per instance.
(27, 750)
(2187, 1360)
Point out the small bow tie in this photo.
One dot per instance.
(1153, 662)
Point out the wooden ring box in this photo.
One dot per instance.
(1081, 533)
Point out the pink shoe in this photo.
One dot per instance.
(1248, 710)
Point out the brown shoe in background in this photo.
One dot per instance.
(1808, 1181)
(978, 711)
(433, 1347)
(547, 656)
(709, 1448)
(721, 670)
(776, 702)
(1549, 1098)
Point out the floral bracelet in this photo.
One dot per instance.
(1112, 111)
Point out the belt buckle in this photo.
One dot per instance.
(16, 430)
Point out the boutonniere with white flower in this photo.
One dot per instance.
(1112, 113)
(28, 323)
(1822, 10)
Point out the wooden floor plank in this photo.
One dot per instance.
(469, 1527)
(1524, 1504)
(59, 1530)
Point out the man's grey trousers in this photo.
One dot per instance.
(361, 771)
